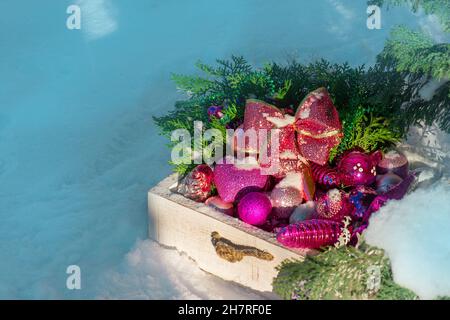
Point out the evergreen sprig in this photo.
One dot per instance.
(364, 131)
(440, 8)
(388, 94)
(340, 273)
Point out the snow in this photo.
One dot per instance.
(78, 149)
(414, 232)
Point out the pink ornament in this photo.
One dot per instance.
(290, 192)
(220, 205)
(394, 162)
(334, 205)
(284, 201)
(358, 168)
(231, 179)
(196, 185)
(254, 208)
(386, 182)
(311, 234)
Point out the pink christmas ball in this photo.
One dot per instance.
(254, 208)
(394, 162)
(333, 205)
(358, 168)
(284, 201)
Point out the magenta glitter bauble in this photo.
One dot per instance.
(312, 234)
(333, 205)
(394, 162)
(387, 181)
(358, 168)
(254, 208)
(231, 179)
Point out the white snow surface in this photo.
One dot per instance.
(79, 150)
(415, 235)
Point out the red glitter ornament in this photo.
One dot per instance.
(334, 205)
(196, 185)
(318, 126)
(309, 135)
(311, 234)
(287, 158)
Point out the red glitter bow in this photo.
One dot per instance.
(310, 134)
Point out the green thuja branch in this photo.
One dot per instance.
(340, 273)
(367, 132)
(440, 8)
(388, 94)
(424, 66)
(415, 52)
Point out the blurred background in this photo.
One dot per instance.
(79, 150)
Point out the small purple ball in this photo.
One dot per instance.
(215, 111)
(254, 208)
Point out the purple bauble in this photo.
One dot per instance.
(394, 162)
(215, 111)
(358, 168)
(387, 181)
(333, 205)
(254, 208)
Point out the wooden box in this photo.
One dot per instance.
(220, 244)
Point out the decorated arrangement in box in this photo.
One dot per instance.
(284, 162)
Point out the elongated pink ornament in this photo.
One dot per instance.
(311, 234)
